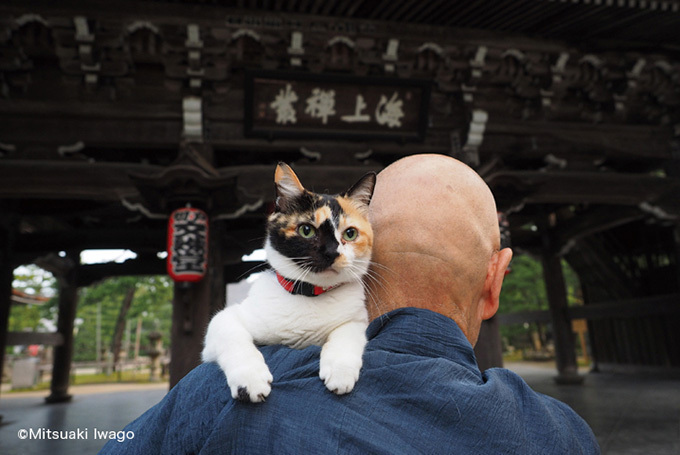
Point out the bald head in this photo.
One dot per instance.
(436, 234)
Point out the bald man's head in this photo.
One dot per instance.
(436, 232)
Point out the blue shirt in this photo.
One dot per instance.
(420, 392)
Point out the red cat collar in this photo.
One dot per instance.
(302, 287)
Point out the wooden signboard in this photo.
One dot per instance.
(302, 105)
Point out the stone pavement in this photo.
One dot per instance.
(102, 407)
(629, 413)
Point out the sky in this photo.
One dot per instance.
(102, 256)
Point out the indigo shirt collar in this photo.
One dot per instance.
(421, 332)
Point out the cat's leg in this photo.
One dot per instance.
(341, 357)
(230, 344)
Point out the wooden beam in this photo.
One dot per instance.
(520, 317)
(592, 221)
(663, 305)
(89, 274)
(92, 239)
(33, 179)
(630, 308)
(611, 140)
(27, 338)
(95, 111)
(564, 142)
(103, 132)
(111, 182)
(611, 188)
(209, 15)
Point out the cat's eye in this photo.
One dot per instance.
(306, 231)
(350, 234)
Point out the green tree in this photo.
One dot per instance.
(524, 290)
(34, 281)
(523, 287)
(152, 303)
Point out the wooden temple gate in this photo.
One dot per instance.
(114, 114)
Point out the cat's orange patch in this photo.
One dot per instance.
(286, 224)
(322, 214)
(355, 216)
(290, 230)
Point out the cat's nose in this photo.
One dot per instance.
(331, 253)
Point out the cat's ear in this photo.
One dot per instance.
(288, 186)
(362, 191)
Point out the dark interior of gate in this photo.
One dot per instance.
(115, 114)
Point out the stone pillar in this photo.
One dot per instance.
(63, 354)
(155, 338)
(556, 290)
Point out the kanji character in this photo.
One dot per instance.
(357, 117)
(389, 112)
(283, 105)
(321, 104)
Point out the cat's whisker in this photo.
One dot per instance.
(306, 271)
(375, 272)
(377, 265)
(377, 280)
(250, 271)
(367, 290)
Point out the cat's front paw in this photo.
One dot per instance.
(250, 383)
(339, 374)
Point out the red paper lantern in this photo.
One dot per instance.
(187, 244)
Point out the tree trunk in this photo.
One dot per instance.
(120, 326)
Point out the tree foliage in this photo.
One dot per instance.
(152, 304)
(34, 281)
(524, 290)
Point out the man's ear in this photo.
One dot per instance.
(494, 282)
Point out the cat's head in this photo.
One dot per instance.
(317, 238)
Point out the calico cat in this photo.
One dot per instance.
(319, 248)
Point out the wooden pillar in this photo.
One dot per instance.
(489, 349)
(676, 238)
(193, 306)
(63, 354)
(6, 278)
(556, 290)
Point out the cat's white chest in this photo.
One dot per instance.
(274, 316)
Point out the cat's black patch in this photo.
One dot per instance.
(300, 204)
(243, 394)
(336, 210)
(317, 253)
(327, 247)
